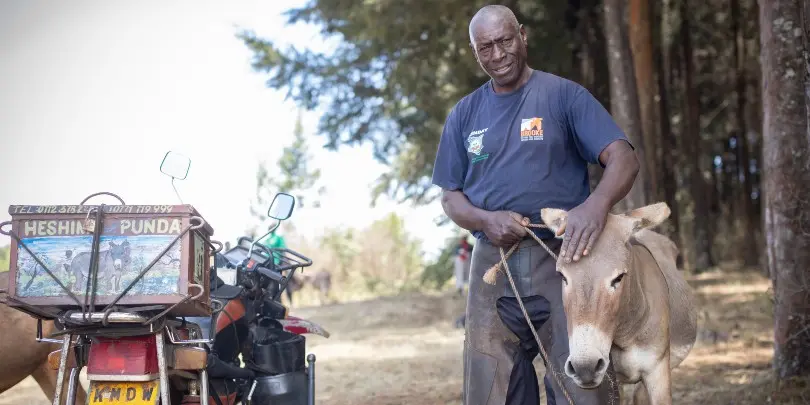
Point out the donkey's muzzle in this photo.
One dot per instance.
(587, 373)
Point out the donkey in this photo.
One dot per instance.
(321, 280)
(627, 302)
(21, 355)
(111, 265)
(295, 283)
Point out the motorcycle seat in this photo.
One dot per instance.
(222, 291)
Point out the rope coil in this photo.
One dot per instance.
(491, 276)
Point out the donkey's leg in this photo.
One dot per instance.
(640, 396)
(658, 383)
(45, 377)
(116, 281)
(77, 281)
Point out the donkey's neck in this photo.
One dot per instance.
(634, 308)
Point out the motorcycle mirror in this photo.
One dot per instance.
(280, 209)
(175, 166)
(282, 206)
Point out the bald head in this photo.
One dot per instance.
(492, 15)
(499, 45)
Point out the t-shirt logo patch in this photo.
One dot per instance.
(475, 144)
(531, 129)
(476, 141)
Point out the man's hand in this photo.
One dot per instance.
(504, 228)
(585, 222)
(582, 227)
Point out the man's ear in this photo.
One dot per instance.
(649, 216)
(555, 219)
(474, 53)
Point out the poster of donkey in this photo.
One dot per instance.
(126, 247)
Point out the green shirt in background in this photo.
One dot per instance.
(274, 241)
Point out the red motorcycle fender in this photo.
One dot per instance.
(235, 309)
(301, 326)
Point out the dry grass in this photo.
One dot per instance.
(405, 350)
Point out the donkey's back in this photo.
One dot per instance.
(683, 311)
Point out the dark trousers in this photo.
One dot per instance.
(523, 387)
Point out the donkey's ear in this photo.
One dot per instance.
(555, 219)
(649, 216)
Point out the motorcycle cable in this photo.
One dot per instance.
(210, 383)
(238, 344)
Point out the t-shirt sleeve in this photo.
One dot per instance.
(450, 167)
(590, 123)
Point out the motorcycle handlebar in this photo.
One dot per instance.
(277, 277)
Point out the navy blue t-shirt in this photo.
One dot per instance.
(525, 150)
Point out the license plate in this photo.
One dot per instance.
(129, 393)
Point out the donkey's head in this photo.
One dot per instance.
(121, 255)
(592, 289)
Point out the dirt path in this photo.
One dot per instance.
(406, 350)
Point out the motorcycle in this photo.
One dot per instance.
(254, 327)
(146, 354)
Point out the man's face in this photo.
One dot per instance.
(500, 49)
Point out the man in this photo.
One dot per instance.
(274, 241)
(519, 143)
(461, 271)
(461, 265)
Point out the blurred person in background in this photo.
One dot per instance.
(461, 264)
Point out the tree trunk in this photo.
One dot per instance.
(786, 161)
(668, 144)
(574, 22)
(624, 97)
(755, 125)
(692, 147)
(745, 213)
(596, 35)
(642, 51)
(723, 211)
(727, 179)
(591, 47)
(591, 60)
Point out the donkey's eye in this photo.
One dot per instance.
(565, 280)
(617, 280)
